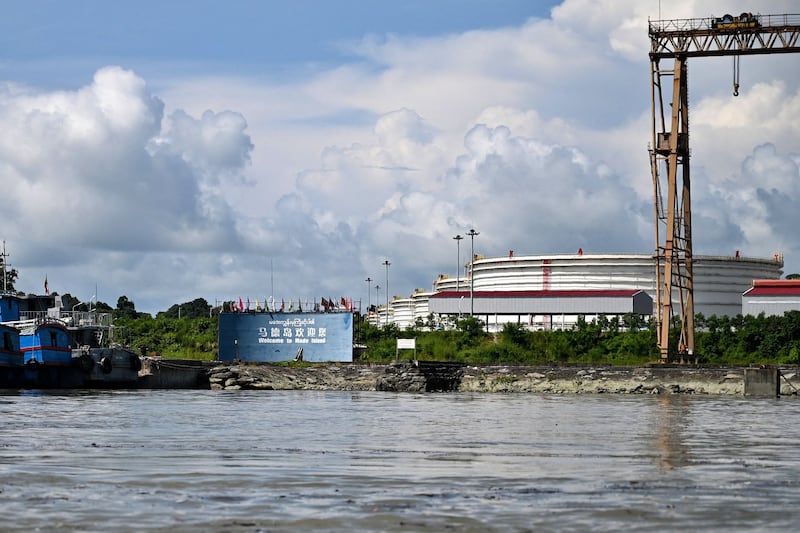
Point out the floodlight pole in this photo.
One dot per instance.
(472, 234)
(386, 264)
(458, 239)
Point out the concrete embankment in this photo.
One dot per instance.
(157, 373)
(428, 377)
(616, 380)
(280, 377)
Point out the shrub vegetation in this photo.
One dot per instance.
(188, 332)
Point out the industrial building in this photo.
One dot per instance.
(547, 309)
(773, 297)
(545, 291)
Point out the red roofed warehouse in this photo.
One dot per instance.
(771, 297)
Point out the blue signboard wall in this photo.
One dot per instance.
(267, 338)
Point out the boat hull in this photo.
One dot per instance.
(12, 372)
(44, 376)
(108, 366)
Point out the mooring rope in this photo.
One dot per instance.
(787, 381)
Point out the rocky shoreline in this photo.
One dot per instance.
(431, 377)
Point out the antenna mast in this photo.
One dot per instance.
(5, 267)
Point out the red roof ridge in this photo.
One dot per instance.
(776, 283)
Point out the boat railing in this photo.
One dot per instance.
(22, 324)
(68, 318)
(28, 325)
(87, 318)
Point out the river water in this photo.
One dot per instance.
(342, 461)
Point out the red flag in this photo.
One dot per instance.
(46, 286)
(241, 304)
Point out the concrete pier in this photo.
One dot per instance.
(763, 382)
(174, 374)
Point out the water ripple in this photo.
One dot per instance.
(338, 461)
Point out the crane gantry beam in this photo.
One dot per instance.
(679, 40)
(705, 37)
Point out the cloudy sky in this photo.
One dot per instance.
(167, 151)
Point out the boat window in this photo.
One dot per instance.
(53, 338)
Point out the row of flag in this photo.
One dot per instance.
(326, 305)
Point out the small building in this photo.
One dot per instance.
(545, 309)
(773, 297)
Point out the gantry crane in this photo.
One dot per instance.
(678, 40)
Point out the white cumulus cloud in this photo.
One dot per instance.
(536, 135)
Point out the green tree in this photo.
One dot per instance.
(514, 333)
(472, 332)
(586, 335)
(10, 277)
(197, 308)
(194, 338)
(69, 301)
(102, 307)
(390, 331)
(430, 321)
(125, 308)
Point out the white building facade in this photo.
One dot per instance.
(719, 281)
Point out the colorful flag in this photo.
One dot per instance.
(248, 303)
(46, 286)
(241, 304)
(299, 306)
(258, 307)
(283, 305)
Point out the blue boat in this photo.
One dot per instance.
(11, 359)
(10, 354)
(45, 344)
(66, 349)
(47, 356)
